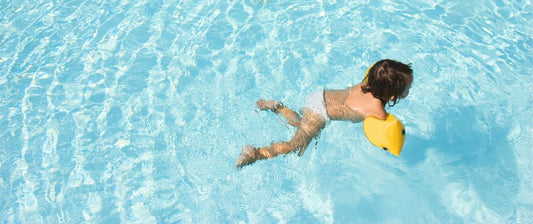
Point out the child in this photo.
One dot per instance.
(386, 82)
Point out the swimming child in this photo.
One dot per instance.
(386, 82)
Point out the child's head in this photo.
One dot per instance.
(388, 80)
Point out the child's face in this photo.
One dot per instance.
(406, 91)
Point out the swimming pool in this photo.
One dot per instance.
(135, 112)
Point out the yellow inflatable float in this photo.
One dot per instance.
(388, 134)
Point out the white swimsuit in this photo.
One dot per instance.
(316, 103)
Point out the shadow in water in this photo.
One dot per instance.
(476, 152)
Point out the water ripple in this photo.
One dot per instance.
(123, 111)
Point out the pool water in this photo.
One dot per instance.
(136, 111)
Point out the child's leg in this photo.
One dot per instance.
(275, 106)
(310, 126)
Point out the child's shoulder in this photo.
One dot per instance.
(365, 103)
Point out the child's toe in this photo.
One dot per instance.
(267, 104)
(262, 104)
(247, 156)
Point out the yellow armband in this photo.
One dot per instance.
(387, 134)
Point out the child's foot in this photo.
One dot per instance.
(271, 105)
(248, 156)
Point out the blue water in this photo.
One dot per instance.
(136, 111)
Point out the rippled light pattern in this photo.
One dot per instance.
(136, 111)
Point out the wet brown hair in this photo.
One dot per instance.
(387, 80)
